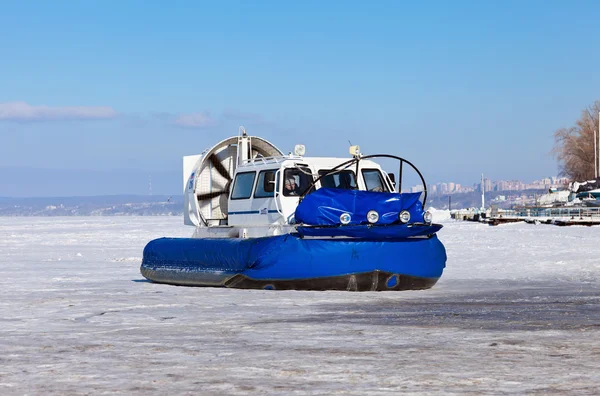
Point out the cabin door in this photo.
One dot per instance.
(253, 206)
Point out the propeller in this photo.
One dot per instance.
(218, 166)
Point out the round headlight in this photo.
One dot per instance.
(372, 216)
(345, 218)
(404, 216)
(427, 217)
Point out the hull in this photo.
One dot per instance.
(290, 262)
(589, 194)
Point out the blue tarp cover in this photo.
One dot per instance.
(324, 206)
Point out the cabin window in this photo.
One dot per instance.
(345, 179)
(260, 186)
(296, 181)
(374, 180)
(242, 186)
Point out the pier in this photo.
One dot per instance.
(561, 216)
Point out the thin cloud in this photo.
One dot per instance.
(253, 118)
(22, 111)
(195, 120)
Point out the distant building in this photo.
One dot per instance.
(444, 188)
(488, 185)
(503, 185)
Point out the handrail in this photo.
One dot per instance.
(575, 212)
(265, 160)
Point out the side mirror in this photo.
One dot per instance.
(393, 179)
(269, 182)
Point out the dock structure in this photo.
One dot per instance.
(472, 214)
(561, 216)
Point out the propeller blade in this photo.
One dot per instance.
(214, 194)
(219, 167)
(203, 197)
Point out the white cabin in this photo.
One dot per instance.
(245, 187)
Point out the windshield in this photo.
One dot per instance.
(374, 180)
(296, 181)
(343, 179)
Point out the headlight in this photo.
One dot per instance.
(404, 216)
(372, 216)
(428, 217)
(345, 218)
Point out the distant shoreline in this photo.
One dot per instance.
(172, 205)
(110, 205)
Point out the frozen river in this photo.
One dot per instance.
(517, 311)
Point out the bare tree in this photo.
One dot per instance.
(574, 146)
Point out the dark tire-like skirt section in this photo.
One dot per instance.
(366, 281)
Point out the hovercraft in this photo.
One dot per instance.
(265, 220)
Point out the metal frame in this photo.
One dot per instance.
(356, 160)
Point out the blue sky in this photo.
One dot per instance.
(457, 87)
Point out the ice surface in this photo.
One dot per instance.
(517, 311)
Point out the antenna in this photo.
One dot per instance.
(150, 185)
(482, 193)
(595, 156)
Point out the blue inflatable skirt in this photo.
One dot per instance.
(289, 262)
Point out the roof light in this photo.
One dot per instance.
(299, 150)
(354, 151)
